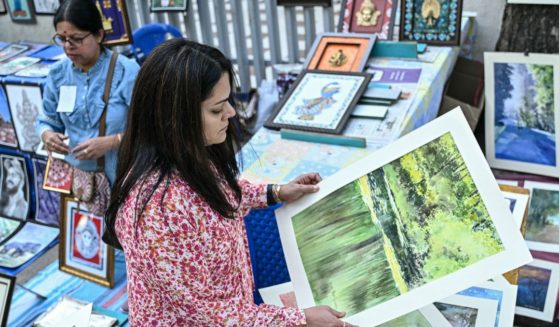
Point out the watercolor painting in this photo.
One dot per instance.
(458, 316)
(25, 244)
(48, 202)
(538, 283)
(542, 228)
(8, 227)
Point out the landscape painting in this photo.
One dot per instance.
(400, 229)
(538, 284)
(458, 316)
(523, 110)
(542, 227)
(468, 311)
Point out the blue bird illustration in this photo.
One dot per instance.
(313, 107)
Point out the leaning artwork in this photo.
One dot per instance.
(542, 227)
(537, 290)
(522, 112)
(422, 218)
(25, 102)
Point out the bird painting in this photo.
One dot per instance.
(312, 107)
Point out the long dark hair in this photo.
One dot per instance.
(165, 127)
(81, 13)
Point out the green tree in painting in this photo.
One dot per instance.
(543, 79)
(542, 216)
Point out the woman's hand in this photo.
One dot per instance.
(324, 316)
(55, 142)
(300, 186)
(94, 148)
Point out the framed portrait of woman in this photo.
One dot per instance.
(82, 252)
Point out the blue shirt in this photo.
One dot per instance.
(83, 122)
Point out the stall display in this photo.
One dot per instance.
(375, 17)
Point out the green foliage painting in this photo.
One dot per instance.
(543, 217)
(394, 229)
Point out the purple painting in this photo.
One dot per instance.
(48, 202)
(115, 21)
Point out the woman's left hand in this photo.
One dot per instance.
(300, 186)
(94, 148)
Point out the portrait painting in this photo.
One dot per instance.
(542, 227)
(12, 50)
(168, 5)
(46, 7)
(538, 283)
(14, 190)
(384, 230)
(340, 52)
(82, 252)
(114, 16)
(521, 112)
(436, 22)
(368, 16)
(25, 102)
(30, 240)
(466, 311)
(7, 130)
(20, 11)
(48, 202)
(7, 285)
(319, 102)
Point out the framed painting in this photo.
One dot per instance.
(25, 102)
(15, 187)
(542, 226)
(29, 241)
(368, 16)
(7, 284)
(48, 202)
(379, 239)
(434, 22)
(461, 310)
(58, 176)
(46, 7)
(82, 252)
(319, 101)
(522, 112)
(340, 52)
(538, 284)
(17, 64)
(306, 3)
(168, 5)
(12, 50)
(7, 130)
(114, 16)
(20, 11)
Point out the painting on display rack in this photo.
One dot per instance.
(48, 208)
(20, 11)
(46, 7)
(25, 102)
(368, 16)
(434, 22)
(538, 284)
(388, 223)
(30, 240)
(7, 285)
(7, 130)
(15, 187)
(542, 227)
(522, 112)
(115, 22)
(82, 252)
(168, 5)
(340, 52)
(319, 101)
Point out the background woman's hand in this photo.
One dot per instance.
(324, 316)
(94, 148)
(55, 142)
(300, 186)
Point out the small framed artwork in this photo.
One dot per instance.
(46, 7)
(522, 112)
(7, 130)
(168, 5)
(20, 11)
(340, 52)
(542, 227)
(82, 252)
(319, 101)
(115, 22)
(25, 102)
(58, 176)
(538, 283)
(26, 243)
(15, 187)
(305, 3)
(7, 284)
(12, 50)
(48, 202)
(434, 22)
(368, 16)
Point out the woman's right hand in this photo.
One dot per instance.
(55, 142)
(323, 315)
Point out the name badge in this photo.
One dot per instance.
(67, 98)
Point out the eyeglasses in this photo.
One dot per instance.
(74, 41)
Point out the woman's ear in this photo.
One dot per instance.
(100, 35)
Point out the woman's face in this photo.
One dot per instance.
(85, 51)
(216, 111)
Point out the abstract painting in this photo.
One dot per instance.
(434, 22)
(521, 112)
(538, 284)
(48, 202)
(7, 131)
(340, 52)
(25, 244)
(319, 102)
(414, 220)
(542, 228)
(368, 16)
(25, 102)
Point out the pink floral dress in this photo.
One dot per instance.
(189, 266)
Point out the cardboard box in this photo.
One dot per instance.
(465, 88)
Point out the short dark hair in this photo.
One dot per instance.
(165, 127)
(81, 13)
